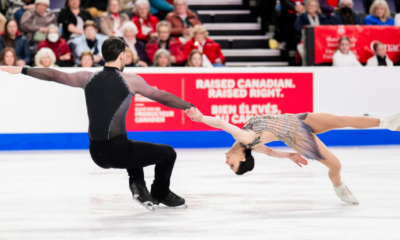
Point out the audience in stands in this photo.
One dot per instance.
(3, 21)
(128, 7)
(96, 8)
(34, 22)
(59, 47)
(162, 58)
(211, 50)
(182, 20)
(379, 14)
(145, 22)
(328, 6)
(165, 41)
(343, 57)
(45, 58)
(13, 38)
(160, 8)
(130, 30)
(90, 41)
(345, 15)
(87, 60)
(71, 19)
(195, 59)
(312, 17)
(8, 57)
(130, 58)
(111, 23)
(17, 8)
(380, 58)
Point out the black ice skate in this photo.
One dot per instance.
(142, 196)
(171, 201)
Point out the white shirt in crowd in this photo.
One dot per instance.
(373, 62)
(345, 60)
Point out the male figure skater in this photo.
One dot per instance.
(108, 96)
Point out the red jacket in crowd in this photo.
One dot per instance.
(211, 49)
(174, 48)
(151, 21)
(59, 48)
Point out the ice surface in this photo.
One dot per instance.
(64, 195)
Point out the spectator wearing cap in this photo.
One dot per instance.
(96, 8)
(130, 30)
(380, 58)
(111, 23)
(8, 57)
(343, 57)
(90, 41)
(165, 41)
(71, 18)
(162, 58)
(379, 14)
(312, 16)
(34, 22)
(59, 47)
(13, 38)
(211, 50)
(345, 15)
(182, 20)
(45, 58)
(145, 22)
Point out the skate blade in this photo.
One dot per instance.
(165, 207)
(148, 205)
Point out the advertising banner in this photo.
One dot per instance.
(362, 41)
(234, 97)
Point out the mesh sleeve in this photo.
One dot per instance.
(138, 85)
(78, 79)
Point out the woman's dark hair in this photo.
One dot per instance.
(7, 40)
(67, 1)
(247, 165)
(112, 48)
(376, 45)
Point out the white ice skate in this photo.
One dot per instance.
(391, 122)
(345, 194)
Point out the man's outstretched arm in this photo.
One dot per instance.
(77, 79)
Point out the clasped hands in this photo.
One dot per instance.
(194, 114)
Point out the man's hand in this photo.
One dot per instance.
(97, 58)
(194, 114)
(218, 60)
(65, 57)
(298, 159)
(11, 70)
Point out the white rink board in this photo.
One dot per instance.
(32, 106)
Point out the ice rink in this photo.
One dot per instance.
(64, 195)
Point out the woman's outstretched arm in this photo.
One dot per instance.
(295, 157)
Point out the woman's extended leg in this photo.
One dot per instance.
(323, 122)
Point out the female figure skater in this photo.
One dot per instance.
(297, 132)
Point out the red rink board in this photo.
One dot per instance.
(234, 97)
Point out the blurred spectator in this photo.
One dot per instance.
(87, 60)
(182, 20)
(128, 6)
(328, 6)
(111, 23)
(379, 14)
(90, 41)
(130, 58)
(96, 8)
(8, 57)
(130, 30)
(345, 15)
(71, 19)
(34, 22)
(210, 49)
(343, 57)
(165, 42)
(59, 47)
(17, 8)
(380, 58)
(13, 38)
(162, 58)
(145, 22)
(312, 16)
(195, 59)
(160, 8)
(3, 21)
(45, 58)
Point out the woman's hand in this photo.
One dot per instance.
(298, 159)
(194, 114)
(65, 57)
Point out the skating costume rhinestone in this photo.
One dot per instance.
(289, 129)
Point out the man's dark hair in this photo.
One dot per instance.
(247, 165)
(112, 48)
